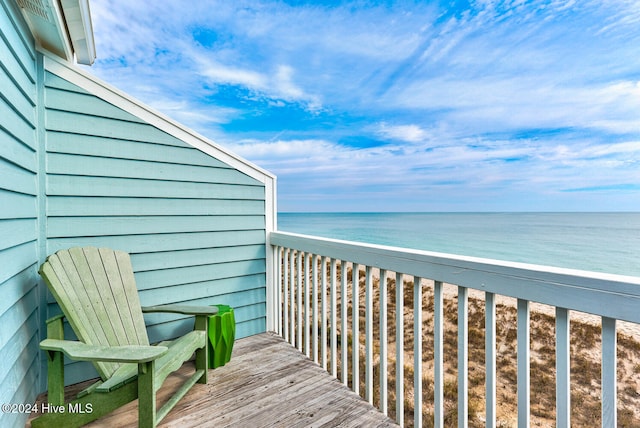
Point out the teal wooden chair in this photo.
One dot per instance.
(96, 291)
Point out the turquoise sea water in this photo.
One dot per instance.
(601, 242)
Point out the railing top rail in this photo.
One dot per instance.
(609, 295)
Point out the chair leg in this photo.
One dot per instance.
(202, 354)
(55, 363)
(146, 395)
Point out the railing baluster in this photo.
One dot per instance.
(344, 299)
(355, 328)
(463, 357)
(292, 318)
(523, 364)
(334, 309)
(299, 299)
(368, 347)
(307, 305)
(563, 369)
(399, 349)
(279, 302)
(417, 352)
(314, 308)
(609, 380)
(285, 294)
(323, 310)
(383, 343)
(438, 355)
(490, 358)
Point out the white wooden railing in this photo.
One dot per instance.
(307, 271)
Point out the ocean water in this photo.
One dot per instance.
(600, 242)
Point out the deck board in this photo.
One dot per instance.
(267, 383)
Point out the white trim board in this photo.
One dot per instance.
(135, 107)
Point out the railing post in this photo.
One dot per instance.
(355, 328)
(344, 334)
(323, 311)
(400, 349)
(334, 309)
(417, 352)
(314, 308)
(523, 364)
(299, 299)
(463, 357)
(609, 380)
(490, 358)
(563, 369)
(383, 343)
(438, 355)
(293, 302)
(284, 273)
(307, 306)
(368, 346)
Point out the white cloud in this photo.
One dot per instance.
(408, 133)
(529, 95)
(221, 74)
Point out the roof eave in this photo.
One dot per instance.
(78, 18)
(62, 28)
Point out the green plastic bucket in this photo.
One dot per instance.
(222, 332)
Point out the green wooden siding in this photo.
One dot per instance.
(194, 226)
(20, 362)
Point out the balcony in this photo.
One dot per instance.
(459, 320)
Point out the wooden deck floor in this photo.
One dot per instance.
(267, 383)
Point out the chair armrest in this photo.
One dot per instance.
(55, 318)
(122, 354)
(182, 309)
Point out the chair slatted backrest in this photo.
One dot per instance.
(96, 291)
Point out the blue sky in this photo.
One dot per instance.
(398, 106)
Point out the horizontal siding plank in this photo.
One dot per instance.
(97, 226)
(17, 287)
(16, 205)
(21, 372)
(59, 142)
(206, 289)
(18, 38)
(17, 153)
(19, 323)
(17, 179)
(19, 47)
(244, 327)
(53, 81)
(85, 104)
(74, 123)
(109, 186)
(196, 257)
(197, 290)
(162, 242)
(15, 125)
(71, 206)
(17, 232)
(16, 259)
(239, 301)
(20, 98)
(251, 327)
(197, 274)
(124, 168)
